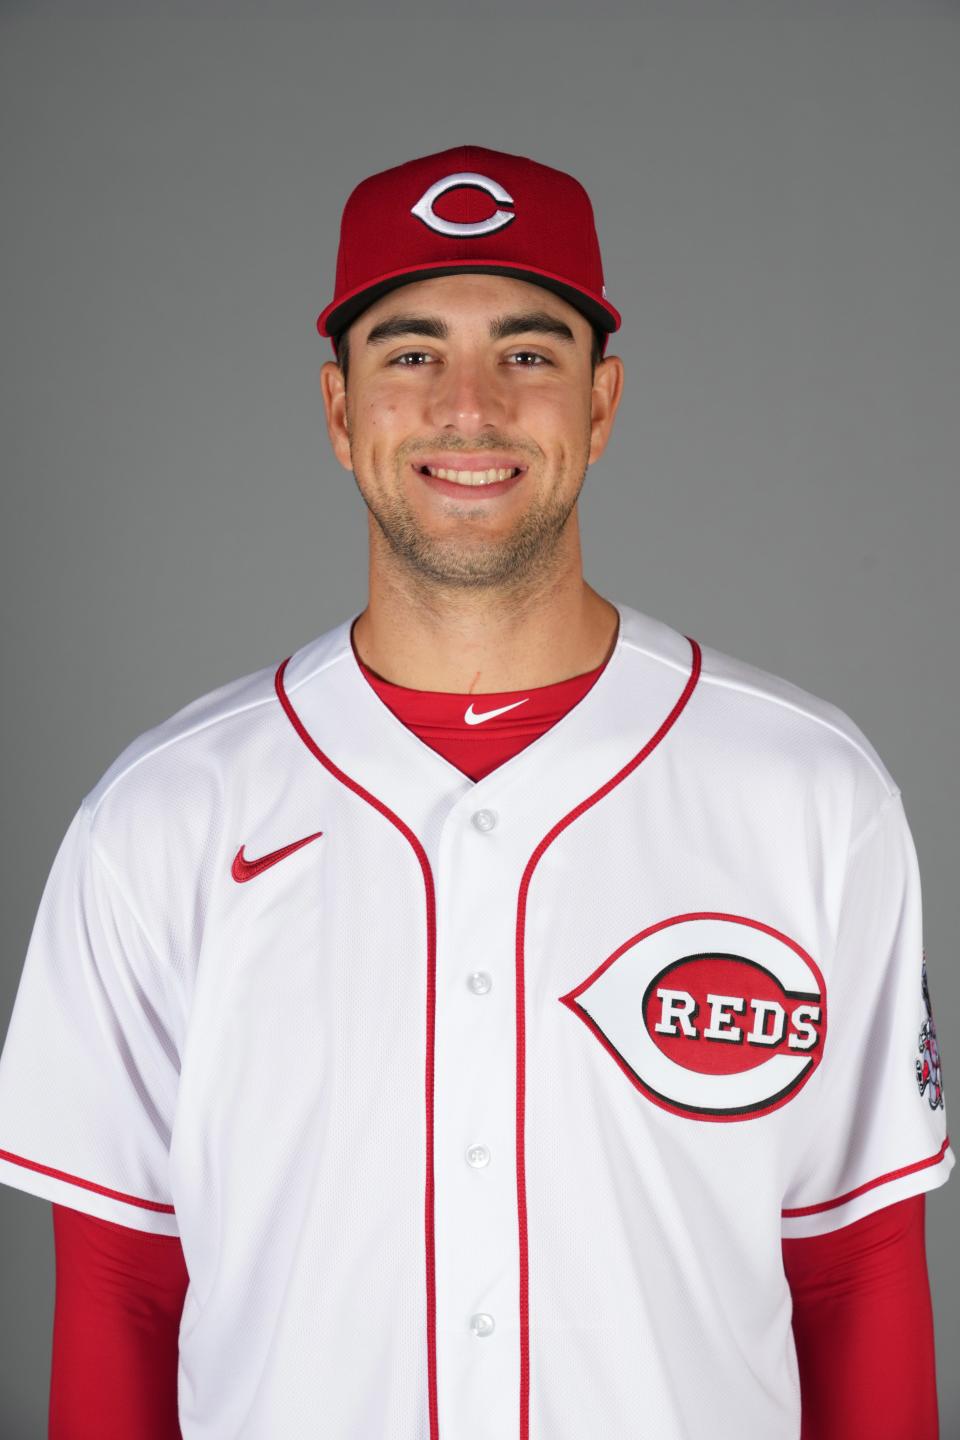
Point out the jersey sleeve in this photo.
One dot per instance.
(878, 1128)
(89, 1067)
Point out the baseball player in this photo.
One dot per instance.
(507, 1015)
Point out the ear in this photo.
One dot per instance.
(335, 404)
(607, 389)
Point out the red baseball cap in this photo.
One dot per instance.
(468, 210)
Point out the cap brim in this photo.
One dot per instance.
(336, 317)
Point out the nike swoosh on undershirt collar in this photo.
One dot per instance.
(472, 718)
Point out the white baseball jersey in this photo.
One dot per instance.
(481, 1108)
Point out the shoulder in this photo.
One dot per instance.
(169, 786)
(173, 786)
(755, 724)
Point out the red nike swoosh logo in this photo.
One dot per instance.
(243, 869)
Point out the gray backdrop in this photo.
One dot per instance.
(776, 187)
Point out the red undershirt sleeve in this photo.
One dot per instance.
(863, 1327)
(119, 1299)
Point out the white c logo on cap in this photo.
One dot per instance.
(424, 207)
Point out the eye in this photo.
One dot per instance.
(415, 359)
(409, 355)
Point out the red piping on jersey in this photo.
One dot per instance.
(421, 855)
(531, 865)
(86, 1184)
(870, 1184)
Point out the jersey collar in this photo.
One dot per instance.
(633, 706)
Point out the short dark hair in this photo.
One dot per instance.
(342, 343)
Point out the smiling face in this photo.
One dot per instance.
(470, 416)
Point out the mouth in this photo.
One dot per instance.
(471, 476)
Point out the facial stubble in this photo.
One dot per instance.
(487, 562)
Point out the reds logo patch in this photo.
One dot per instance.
(929, 1077)
(711, 1016)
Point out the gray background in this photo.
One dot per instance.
(777, 195)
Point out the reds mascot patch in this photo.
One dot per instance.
(711, 1016)
(929, 1077)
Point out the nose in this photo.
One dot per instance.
(466, 397)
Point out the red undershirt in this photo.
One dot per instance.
(862, 1313)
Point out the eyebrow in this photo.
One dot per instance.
(531, 322)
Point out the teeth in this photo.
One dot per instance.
(471, 477)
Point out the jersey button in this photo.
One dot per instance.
(479, 982)
(478, 1155)
(481, 1324)
(485, 819)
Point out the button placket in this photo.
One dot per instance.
(478, 1156)
(477, 1254)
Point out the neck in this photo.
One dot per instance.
(479, 642)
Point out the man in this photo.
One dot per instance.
(507, 1016)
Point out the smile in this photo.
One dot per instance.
(470, 477)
